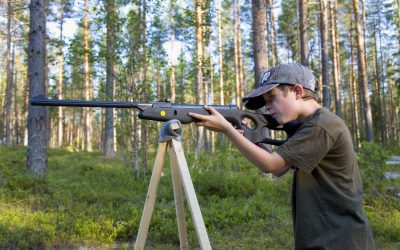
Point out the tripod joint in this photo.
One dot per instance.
(170, 130)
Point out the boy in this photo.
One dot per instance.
(327, 191)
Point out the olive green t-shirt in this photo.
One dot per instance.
(327, 190)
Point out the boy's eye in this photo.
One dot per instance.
(269, 99)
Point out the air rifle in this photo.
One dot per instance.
(165, 111)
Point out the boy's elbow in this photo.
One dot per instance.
(281, 172)
(275, 165)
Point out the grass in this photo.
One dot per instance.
(87, 201)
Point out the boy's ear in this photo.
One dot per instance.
(299, 90)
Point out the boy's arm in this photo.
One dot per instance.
(282, 171)
(264, 160)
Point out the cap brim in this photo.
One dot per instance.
(255, 100)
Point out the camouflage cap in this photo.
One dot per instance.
(290, 73)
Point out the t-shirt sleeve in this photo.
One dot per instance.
(306, 148)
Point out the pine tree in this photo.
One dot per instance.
(111, 19)
(37, 118)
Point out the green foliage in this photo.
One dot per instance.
(371, 158)
(381, 208)
(384, 216)
(89, 201)
(288, 23)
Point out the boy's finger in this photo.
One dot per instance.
(197, 116)
(212, 110)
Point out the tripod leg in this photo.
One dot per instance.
(151, 197)
(179, 202)
(191, 197)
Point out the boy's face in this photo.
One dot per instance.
(280, 105)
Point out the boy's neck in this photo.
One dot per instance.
(308, 110)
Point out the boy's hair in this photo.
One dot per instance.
(285, 88)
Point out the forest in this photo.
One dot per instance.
(186, 52)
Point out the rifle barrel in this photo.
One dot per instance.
(42, 101)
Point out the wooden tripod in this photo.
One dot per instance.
(181, 180)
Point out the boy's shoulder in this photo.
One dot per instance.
(328, 121)
(323, 116)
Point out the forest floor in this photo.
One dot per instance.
(88, 201)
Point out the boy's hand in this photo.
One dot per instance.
(214, 122)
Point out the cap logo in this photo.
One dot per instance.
(264, 79)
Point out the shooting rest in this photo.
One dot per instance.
(170, 137)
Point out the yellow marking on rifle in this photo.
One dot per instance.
(162, 113)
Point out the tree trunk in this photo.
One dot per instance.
(378, 116)
(220, 55)
(393, 109)
(397, 18)
(135, 143)
(160, 90)
(240, 61)
(326, 95)
(235, 55)
(60, 77)
(199, 77)
(144, 60)
(259, 27)
(144, 147)
(74, 124)
(207, 137)
(108, 148)
(2, 107)
(362, 76)
(211, 69)
(303, 12)
(16, 113)
(335, 58)
(9, 86)
(364, 28)
(274, 43)
(353, 95)
(212, 134)
(26, 108)
(172, 34)
(88, 111)
(37, 117)
(381, 83)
